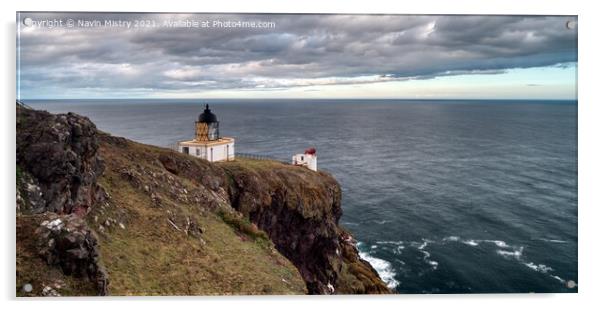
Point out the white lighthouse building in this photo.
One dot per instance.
(207, 143)
(308, 159)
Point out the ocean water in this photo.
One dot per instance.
(443, 196)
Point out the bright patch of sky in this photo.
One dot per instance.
(551, 83)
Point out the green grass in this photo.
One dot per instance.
(151, 257)
(243, 225)
(255, 164)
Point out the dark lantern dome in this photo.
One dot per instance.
(207, 116)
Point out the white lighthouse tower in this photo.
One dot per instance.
(208, 144)
(308, 159)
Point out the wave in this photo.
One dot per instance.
(539, 267)
(476, 242)
(518, 253)
(397, 246)
(388, 242)
(471, 242)
(510, 251)
(427, 255)
(558, 241)
(383, 268)
(558, 278)
(451, 238)
(421, 245)
(499, 243)
(381, 222)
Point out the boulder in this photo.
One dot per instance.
(66, 241)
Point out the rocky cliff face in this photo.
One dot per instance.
(59, 155)
(89, 201)
(57, 170)
(300, 211)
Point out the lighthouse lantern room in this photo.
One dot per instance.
(207, 143)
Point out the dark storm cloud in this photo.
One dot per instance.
(301, 50)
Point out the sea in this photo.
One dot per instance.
(443, 196)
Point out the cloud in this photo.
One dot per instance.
(299, 51)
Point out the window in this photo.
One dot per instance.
(198, 152)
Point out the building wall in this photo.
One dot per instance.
(223, 152)
(309, 161)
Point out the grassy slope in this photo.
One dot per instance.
(152, 257)
(149, 256)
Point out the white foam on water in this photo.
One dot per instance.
(569, 283)
(499, 243)
(435, 264)
(558, 278)
(373, 247)
(388, 242)
(505, 250)
(476, 242)
(516, 253)
(420, 245)
(383, 268)
(426, 258)
(397, 246)
(398, 249)
(451, 238)
(558, 241)
(539, 268)
(470, 242)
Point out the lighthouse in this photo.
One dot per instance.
(308, 159)
(207, 143)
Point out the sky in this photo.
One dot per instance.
(112, 55)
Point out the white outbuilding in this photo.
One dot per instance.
(308, 159)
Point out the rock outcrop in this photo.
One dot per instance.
(66, 241)
(57, 170)
(59, 152)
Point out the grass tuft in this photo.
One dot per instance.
(243, 225)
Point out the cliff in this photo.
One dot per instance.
(300, 210)
(99, 215)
